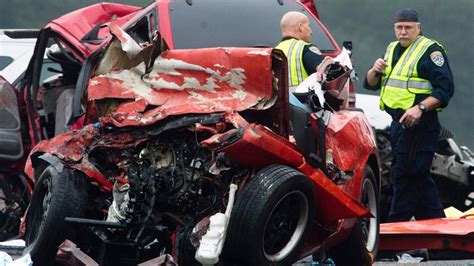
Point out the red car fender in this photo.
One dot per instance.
(69, 149)
(351, 140)
(257, 146)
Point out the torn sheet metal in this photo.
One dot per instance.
(350, 138)
(73, 149)
(75, 25)
(433, 234)
(349, 130)
(129, 46)
(187, 81)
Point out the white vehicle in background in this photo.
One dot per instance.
(452, 167)
(16, 49)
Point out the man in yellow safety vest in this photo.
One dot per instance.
(303, 60)
(303, 57)
(415, 82)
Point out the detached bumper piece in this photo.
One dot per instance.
(444, 238)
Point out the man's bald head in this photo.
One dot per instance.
(296, 24)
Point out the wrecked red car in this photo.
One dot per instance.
(166, 150)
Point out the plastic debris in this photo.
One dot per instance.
(327, 262)
(6, 260)
(407, 258)
(212, 242)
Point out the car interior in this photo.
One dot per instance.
(55, 94)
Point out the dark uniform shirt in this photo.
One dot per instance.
(311, 58)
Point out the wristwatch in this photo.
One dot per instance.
(422, 107)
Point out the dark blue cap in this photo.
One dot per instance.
(406, 15)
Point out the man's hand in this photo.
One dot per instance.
(321, 68)
(323, 65)
(411, 116)
(378, 67)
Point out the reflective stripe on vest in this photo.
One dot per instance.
(293, 49)
(401, 84)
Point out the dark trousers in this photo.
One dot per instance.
(414, 191)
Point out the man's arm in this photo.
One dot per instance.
(413, 115)
(434, 67)
(373, 75)
(312, 57)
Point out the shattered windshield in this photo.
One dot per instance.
(227, 23)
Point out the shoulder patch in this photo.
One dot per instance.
(437, 58)
(315, 50)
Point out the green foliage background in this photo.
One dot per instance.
(368, 23)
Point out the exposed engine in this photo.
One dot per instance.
(167, 188)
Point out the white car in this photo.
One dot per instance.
(370, 104)
(16, 49)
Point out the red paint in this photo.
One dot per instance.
(165, 23)
(70, 148)
(245, 64)
(245, 79)
(75, 25)
(434, 234)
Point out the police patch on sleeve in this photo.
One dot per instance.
(437, 58)
(315, 50)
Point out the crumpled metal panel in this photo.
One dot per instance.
(350, 136)
(73, 149)
(187, 81)
(351, 140)
(75, 25)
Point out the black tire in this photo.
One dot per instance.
(362, 245)
(55, 197)
(271, 218)
(386, 158)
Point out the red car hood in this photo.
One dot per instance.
(182, 82)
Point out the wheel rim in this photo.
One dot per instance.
(369, 225)
(43, 204)
(285, 226)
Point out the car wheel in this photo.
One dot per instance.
(361, 247)
(55, 197)
(271, 217)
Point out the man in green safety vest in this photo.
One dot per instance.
(415, 82)
(303, 57)
(303, 60)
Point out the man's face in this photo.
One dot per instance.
(305, 30)
(406, 32)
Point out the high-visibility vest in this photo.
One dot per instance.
(400, 85)
(293, 49)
